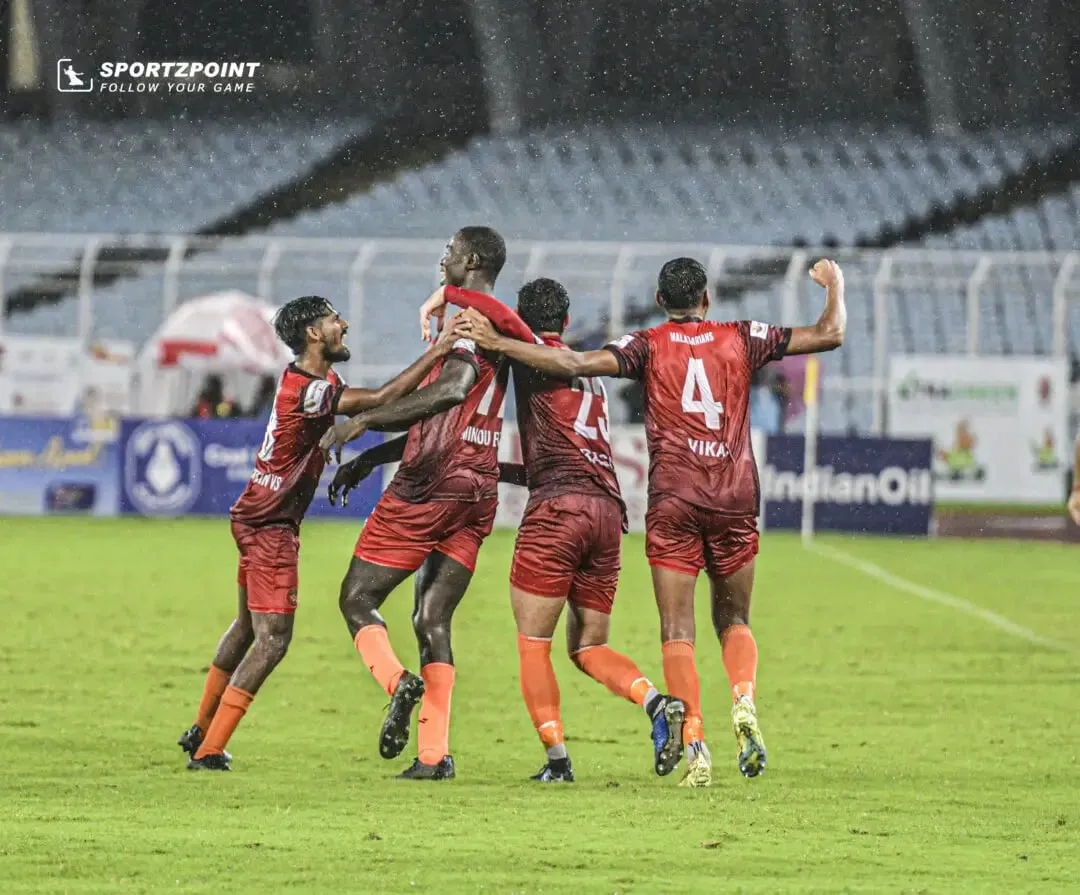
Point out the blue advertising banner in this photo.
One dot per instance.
(871, 485)
(58, 465)
(199, 467)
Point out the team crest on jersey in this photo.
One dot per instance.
(758, 330)
(317, 397)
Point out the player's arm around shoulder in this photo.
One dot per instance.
(449, 389)
(559, 362)
(358, 400)
(828, 333)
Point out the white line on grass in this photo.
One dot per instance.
(936, 596)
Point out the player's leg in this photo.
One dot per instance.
(730, 557)
(537, 616)
(392, 544)
(587, 632)
(440, 584)
(592, 596)
(273, 634)
(272, 582)
(231, 648)
(676, 553)
(546, 554)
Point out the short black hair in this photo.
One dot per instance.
(487, 244)
(292, 320)
(543, 304)
(682, 284)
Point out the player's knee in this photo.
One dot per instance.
(577, 656)
(721, 622)
(432, 631)
(273, 645)
(677, 626)
(351, 599)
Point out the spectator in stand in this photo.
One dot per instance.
(212, 403)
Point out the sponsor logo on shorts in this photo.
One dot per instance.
(162, 469)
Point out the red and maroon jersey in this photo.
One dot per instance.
(696, 378)
(289, 463)
(455, 455)
(564, 433)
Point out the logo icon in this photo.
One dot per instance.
(960, 463)
(70, 79)
(162, 468)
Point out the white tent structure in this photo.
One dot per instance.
(224, 333)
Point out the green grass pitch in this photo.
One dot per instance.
(913, 747)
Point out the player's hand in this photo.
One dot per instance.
(339, 435)
(434, 307)
(1074, 506)
(478, 328)
(347, 477)
(455, 328)
(827, 273)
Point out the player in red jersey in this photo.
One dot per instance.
(266, 518)
(703, 486)
(432, 518)
(569, 543)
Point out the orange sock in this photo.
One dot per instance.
(740, 659)
(681, 677)
(615, 671)
(373, 644)
(216, 682)
(234, 704)
(433, 727)
(540, 688)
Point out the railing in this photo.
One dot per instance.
(126, 284)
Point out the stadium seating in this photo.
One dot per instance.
(698, 186)
(143, 175)
(710, 185)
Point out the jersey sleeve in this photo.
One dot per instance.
(503, 318)
(764, 342)
(466, 350)
(632, 353)
(320, 398)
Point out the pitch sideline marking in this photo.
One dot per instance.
(871, 570)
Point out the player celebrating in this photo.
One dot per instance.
(568, 547)
(432, 518)
(703, 486)
(266, 518)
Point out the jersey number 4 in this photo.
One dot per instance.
(591, 389)
(697, 396)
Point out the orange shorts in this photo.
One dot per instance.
(685, 538)
(570, 546)
(269, 566)
(401, 535)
